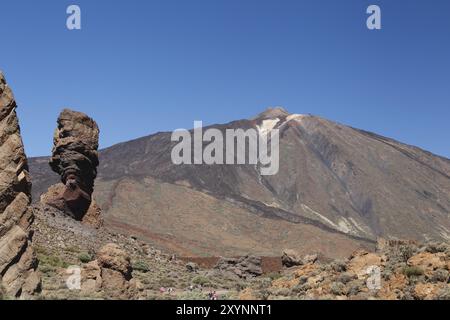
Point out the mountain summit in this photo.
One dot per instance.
(270, 113)
(338, 188)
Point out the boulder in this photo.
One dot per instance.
(111, 256)
(19, 277)
(111, 273)
(361, 261)
(91, 275)
(291, 258)
(244, 267)
(428, 262)
(427, 291)
(310, 258)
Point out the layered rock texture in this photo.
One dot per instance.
(18, 264)
(75, 159)
(111, 273)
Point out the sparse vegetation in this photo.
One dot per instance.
(2, 293)
(263, 294)
(337, 288)
(72, 249)
(166, 282)
(192, 295)
(263, 283)
(273, 275)
(85, 257)
(201, 280)
(48, 262)
(301, 288)
(141, 266)
(406, 252)
(412, 272)
(440, 275)
(407, 267)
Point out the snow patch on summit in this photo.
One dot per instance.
(266, 126)
(297, 117)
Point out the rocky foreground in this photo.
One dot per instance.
(407, 271)
(115, 266)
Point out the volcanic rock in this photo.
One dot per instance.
(18, 264)
(111, 272)
(244, 267)
(55, 198)
(75, 159)
(428, 262)
(291, 258)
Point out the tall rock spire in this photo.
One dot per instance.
(75, 159)
(18, 275)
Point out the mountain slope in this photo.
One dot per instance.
(338, 188)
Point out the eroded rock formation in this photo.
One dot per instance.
(111, 273)
(75, 159)
(18, 264)
(291, 258)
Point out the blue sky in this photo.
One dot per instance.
(142, 66)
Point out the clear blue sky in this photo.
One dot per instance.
(142, 66)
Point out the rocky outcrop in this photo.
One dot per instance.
(75, 159)
(244, 267)
(18, 264)
(55, 198)
(111, 273)
(292, 258)
(399, 270)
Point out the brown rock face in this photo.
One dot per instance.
(55, 197)
(75, 159)
(17, 260)
(111, 273)
(244, 267)
(291, 258)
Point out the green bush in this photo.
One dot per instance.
(262, 283)
(406, 252)
(141, 266)
(52, 261)
(273, 275)
(301, 288)
(284, 292)
(85, 257)
(263, 294)
(193, 295)
(200, 280)
(337, 288)
(72, 249)
(412, 272)
(46, 269)
(166, 282)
